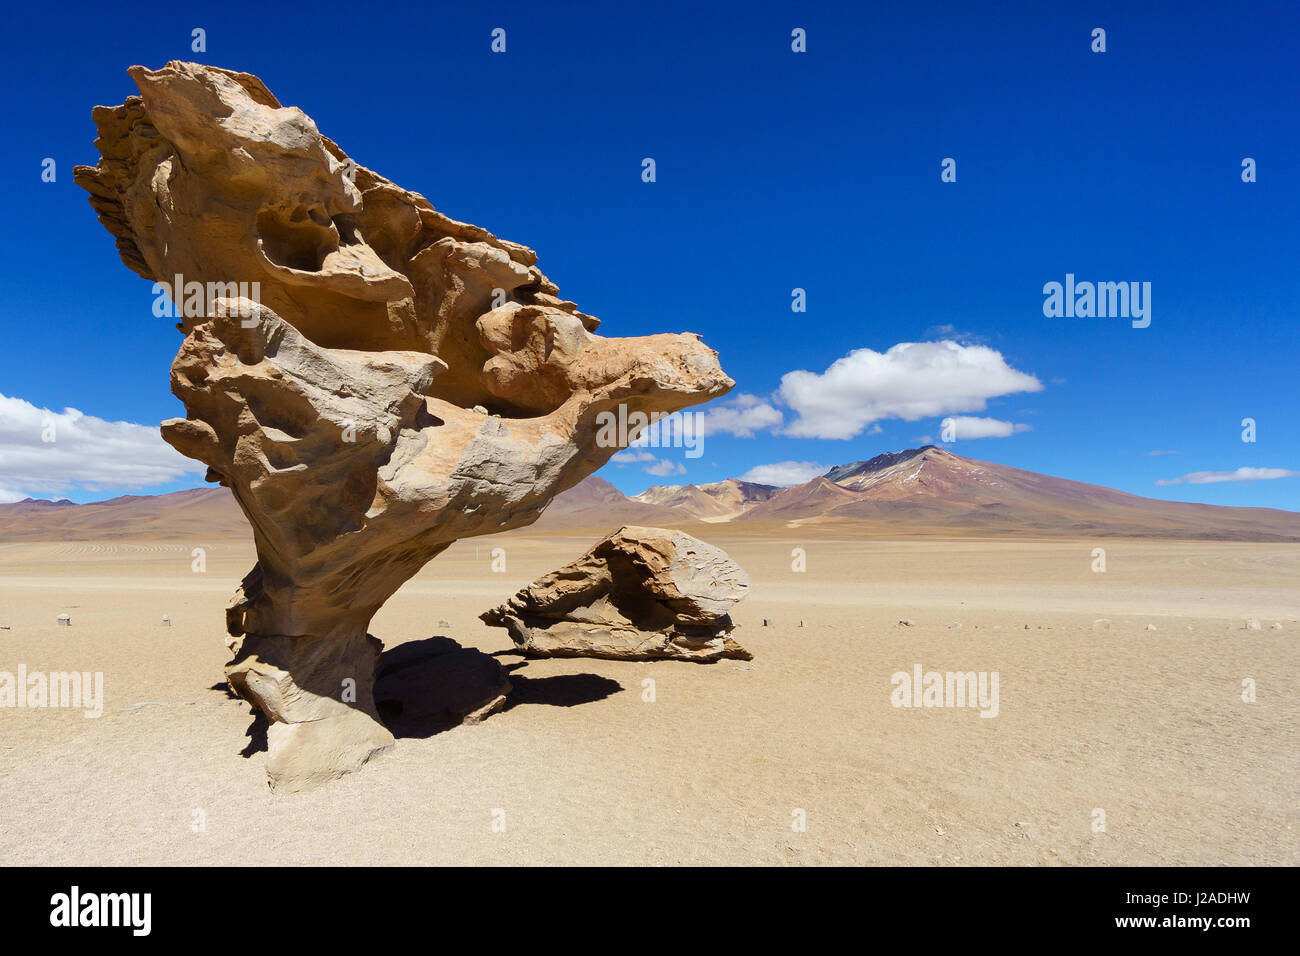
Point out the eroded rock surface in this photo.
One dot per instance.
(640, 594)
(372, 380)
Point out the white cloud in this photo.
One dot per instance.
(632, 457)
(967, 427)
(912, 380)
(654, 465)
(1241, 474)
(665, 467)
(742, 416)
(785, 473)
(87, 453)
(1160, 452)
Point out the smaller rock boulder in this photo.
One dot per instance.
(640, 594)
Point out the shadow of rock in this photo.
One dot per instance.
(256, 734)
(560, 690)
(425, 687)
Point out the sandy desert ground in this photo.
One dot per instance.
(1147, 725)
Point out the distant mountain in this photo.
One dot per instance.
(931, 490)
(717, 501)
(28, 505)
(808, 500)
(847, 474)
(212, 513)
(594, 502)
(188, 515)
(926, 490)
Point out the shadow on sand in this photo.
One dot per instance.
(426, 687)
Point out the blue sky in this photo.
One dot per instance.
(775, 170)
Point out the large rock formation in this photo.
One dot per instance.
(372, 380)
(640, 594)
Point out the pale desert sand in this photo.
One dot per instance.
(1149, 726)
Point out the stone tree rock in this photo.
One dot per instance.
(640, 594)
(371, 379)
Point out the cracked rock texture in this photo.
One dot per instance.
(640, 594)
(372, 380)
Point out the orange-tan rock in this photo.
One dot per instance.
(640, 594)
(394, 381)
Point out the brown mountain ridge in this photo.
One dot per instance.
(926, 490)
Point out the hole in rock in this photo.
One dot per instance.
(296, 239)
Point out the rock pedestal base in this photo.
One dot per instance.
(318, 695)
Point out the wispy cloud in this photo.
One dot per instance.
(949, 332)
(785, 473)
(664, 467)
(967, 427)
(1241, 474)
(654, 465)
(1152, 454)
(743, 416)
(43, 452)
(632, 457)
